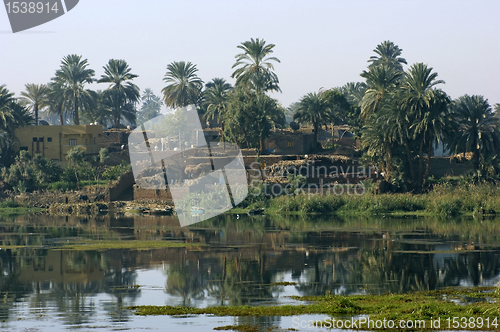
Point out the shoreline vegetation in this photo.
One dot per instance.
(422, 306)
(444, 200)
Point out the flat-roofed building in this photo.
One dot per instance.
(54, 142)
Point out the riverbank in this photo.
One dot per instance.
(443, 201)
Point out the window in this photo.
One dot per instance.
(35, 139)
(95, 140)
(40, 139)
(290, 144)
(49, 139)
(72, 142)
(23, 148)
(86, 141)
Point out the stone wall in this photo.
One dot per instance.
(155, 194)
(126, 181)
(444, 166)
(114, 137)
(287, 142)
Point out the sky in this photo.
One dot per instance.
(321, 44)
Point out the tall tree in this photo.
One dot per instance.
(34, 98)
(12, 116)
(216, 95)
(476, 129)
(251, 116)
(122, 94)
(102, 113)
(421, 102)
(256, 66)
(433, 124)
(184, 86)
(381, 82)
(151, 106)
(56, 102)
(116, 104)
(72, 77)
(314, 110)
(388, 54)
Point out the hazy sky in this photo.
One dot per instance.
(320, 43)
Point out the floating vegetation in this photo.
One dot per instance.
(423, 306)
(129, 244)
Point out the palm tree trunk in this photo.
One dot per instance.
(388, 169)
(475, 158)
(421, 162)
(35, 110)
(223, 138)
(408, 156)
(428, 166)
(75, 116)
(61, 121)
(315, 136)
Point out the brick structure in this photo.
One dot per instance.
(114, 136)
(155, 194)
(291, 143)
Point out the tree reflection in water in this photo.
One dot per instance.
(239, 262)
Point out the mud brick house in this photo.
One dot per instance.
(54, 142)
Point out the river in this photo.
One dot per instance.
(235, 260)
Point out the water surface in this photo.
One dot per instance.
(239, 260)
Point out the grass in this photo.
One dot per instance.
(10, 207)
(62, 185)
(425, 305)
(445, 200)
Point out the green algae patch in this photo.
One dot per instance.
(13, 211)
(240, 328)
(284, 283)
(422, 306)
(129, 244)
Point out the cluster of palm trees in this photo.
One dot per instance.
(404, 115)
(245, 112)
(12, 115)
(68, 97)
(399, 114)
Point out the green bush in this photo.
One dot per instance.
(114, 172)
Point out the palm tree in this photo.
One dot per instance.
(381, 81)
(72, 77)
(416, 98)
(56, 102)
(151, 106)
(313, 109)
(121, 93)
(255, 67)
(35, 98)
(12, 116)
(116, 104)
(354, 92)
(185, 86)
(100, 114)
(388, 54)
(216, 99)
(433, 124)
(148, 95)
(378, 144)
(477, 129)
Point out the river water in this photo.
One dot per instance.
(240, 260)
